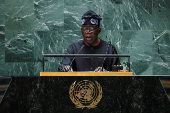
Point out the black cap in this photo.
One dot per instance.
(91, 18)
(91, 14)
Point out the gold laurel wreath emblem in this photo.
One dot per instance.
(78, 103)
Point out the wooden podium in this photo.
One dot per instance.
(86, 73)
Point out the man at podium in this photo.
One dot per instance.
(91, 44)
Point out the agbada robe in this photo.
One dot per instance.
(90, 64)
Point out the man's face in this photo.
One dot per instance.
(90, 34)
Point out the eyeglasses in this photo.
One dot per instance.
(91, 29)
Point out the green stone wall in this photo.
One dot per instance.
(30, 28)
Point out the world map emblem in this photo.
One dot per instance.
(85, 94)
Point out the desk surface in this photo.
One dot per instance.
(86, 73)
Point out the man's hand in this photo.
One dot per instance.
(99, 69)
(67, 69)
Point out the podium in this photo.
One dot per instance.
(86, 73)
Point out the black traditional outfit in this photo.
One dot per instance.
(90, 64)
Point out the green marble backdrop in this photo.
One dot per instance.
(30, 28)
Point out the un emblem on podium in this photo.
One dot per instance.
(85, 94)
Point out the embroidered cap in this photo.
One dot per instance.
(91, 18)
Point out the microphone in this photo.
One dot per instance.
(75, 57)
(106, 52)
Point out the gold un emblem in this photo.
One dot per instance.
(85, 94)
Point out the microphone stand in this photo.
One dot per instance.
(75, 57)
(106, 53)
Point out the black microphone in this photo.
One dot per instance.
(106, 52)
(75, 57)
